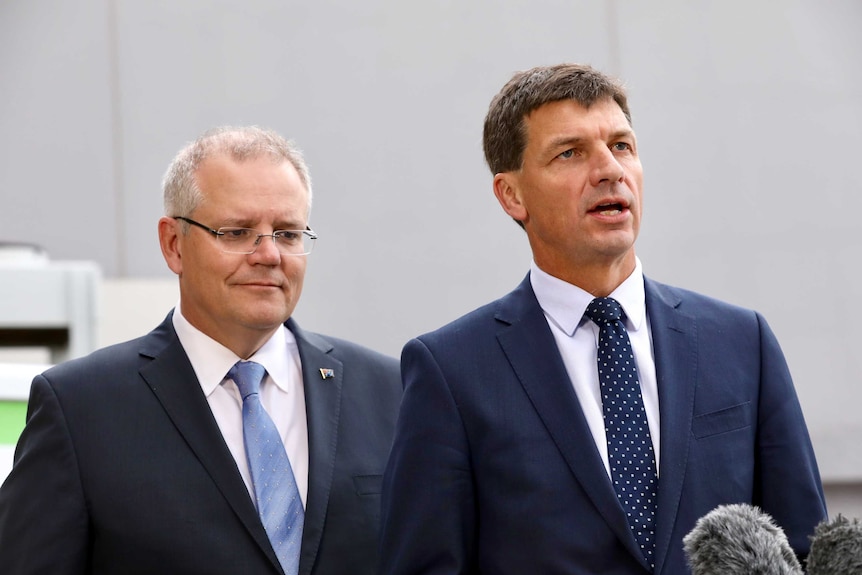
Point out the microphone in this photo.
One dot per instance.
(836, 548)
(739, 539)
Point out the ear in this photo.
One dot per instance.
(171, 243)
(508, 193)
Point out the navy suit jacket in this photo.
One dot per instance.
(122, 469)
(494, 469)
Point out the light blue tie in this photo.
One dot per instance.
(630, 451)
(276, 493)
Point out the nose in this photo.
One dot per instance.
(606, 168)
(267, 252)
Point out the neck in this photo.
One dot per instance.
(243, 341)
(599, 278)
(246, 348)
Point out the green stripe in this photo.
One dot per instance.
(13, 414)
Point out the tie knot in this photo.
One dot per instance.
(247, 375)
(604, 310)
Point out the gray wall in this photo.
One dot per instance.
(747, 113)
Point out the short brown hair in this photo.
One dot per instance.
(505, 135)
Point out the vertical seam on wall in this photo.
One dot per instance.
(117, 139)
(613, 38)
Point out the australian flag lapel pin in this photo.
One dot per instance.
(327, 373)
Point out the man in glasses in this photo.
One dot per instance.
(227, 440)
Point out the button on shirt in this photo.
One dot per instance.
(281, 393)
(577, 339)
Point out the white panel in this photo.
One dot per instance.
(53, 295)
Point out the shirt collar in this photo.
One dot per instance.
(211, 360)
(564, 303)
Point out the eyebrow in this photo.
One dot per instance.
(244, 223)
(574, 141)
(623, 133)
(565, 141)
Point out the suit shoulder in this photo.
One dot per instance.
(469, 330)
(97, 364)
(351, 352)
(119, 358)
(699, 305)
(486, 320)
(368, 374)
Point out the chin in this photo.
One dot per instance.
(264, 316)
(619, 244)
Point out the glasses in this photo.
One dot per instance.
(246, 241)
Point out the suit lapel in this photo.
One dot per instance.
(322, 406)
(532, 352)
(172, 379)
(675, 348)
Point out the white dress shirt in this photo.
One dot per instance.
(281, 393)
(577, 339)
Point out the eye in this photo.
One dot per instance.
(287, 236)
(622, 146)
(567, 154)
(236, 234)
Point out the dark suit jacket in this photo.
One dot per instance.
(122, 469)
(494, 469)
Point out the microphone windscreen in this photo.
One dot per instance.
(836, 548)
(739, 539)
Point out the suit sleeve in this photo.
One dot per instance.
(428, 507)
(787, 480)
(43, 519)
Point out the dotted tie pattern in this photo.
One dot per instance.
(277, 496)
(630, 450)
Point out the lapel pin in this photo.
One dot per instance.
(327, 373)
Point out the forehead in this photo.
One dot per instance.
(568, 118)
(222, 173)
(250, 184)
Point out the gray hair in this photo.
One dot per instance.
(181, 192)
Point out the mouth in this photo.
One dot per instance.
(260, 284)
(609, 208)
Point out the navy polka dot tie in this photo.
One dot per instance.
(276, 494)
(630, 451)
